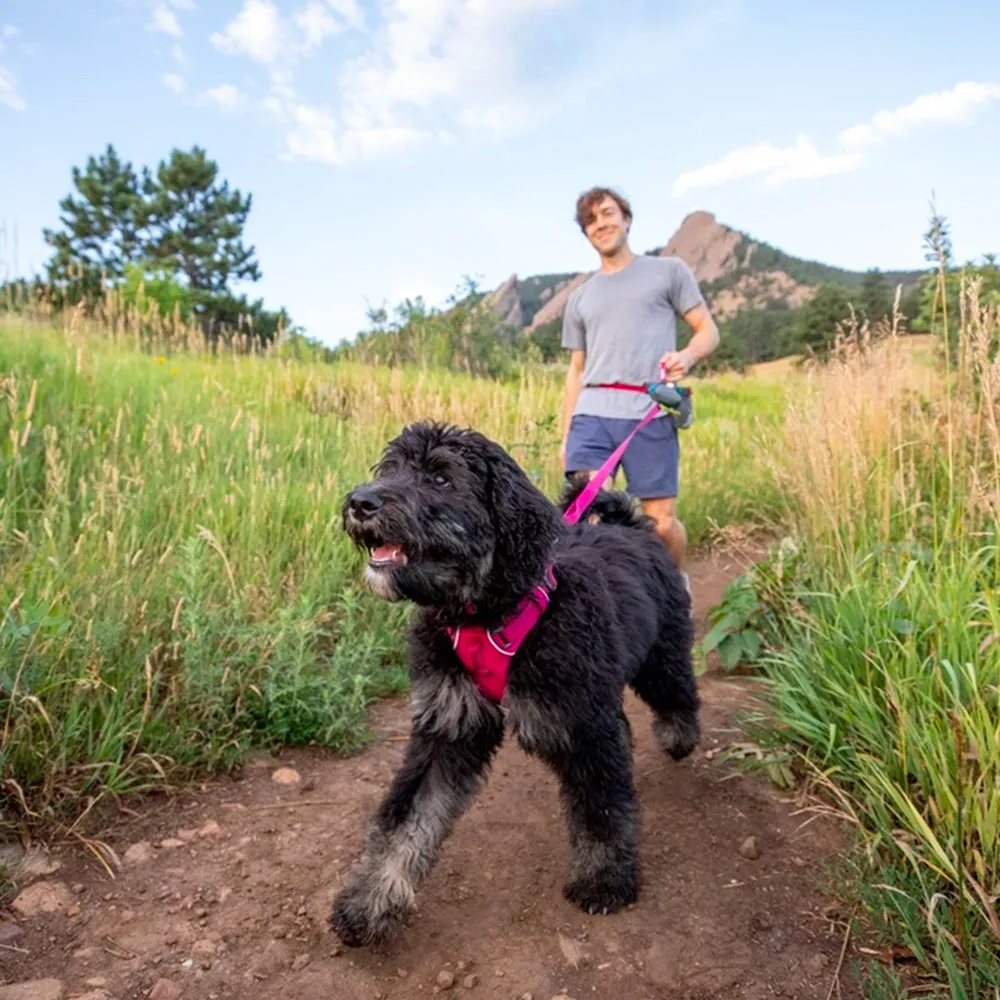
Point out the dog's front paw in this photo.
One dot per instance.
(349, 920)
(369, 913)
(677, 734)
(604, 892)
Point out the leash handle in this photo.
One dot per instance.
(587, 494)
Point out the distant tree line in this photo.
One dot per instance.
(171, 238)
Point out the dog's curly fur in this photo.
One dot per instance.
(456, 524)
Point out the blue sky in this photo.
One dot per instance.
(394, 146)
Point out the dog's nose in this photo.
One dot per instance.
(363, 502)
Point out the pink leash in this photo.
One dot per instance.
(592, 488)
(486, 653)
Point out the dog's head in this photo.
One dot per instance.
(450, 519)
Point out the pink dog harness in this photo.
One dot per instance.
(487, 653)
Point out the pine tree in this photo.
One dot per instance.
(103, 226)
(196, 224)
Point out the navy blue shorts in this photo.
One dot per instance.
(650, 462)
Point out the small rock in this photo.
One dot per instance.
(9, 932)
(300, 962)
(164, 989)
(73, 910)
(446, 979)
(42, 897)
(36, 989)
(749, 849)
(138, 854)
(78, 887)
(572, 950)
(95, 982)
(470, 980)
(526, 996)
(94, 995)
(171, 843)
(210, 829)
(203, 947)
(285, 776)
(562, 996)
(37, 864)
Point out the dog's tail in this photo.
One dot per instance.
(609, 506)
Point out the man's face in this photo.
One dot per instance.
(608, 228)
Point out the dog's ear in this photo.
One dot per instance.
(525, 521)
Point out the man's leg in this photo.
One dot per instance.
(668, 526)
(652, 464)
(588, 445)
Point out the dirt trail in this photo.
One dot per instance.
(225, 888)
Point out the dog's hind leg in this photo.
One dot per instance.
(435, 784)
(603, 816)
(666, 683)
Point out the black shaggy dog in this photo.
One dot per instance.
(451, 522)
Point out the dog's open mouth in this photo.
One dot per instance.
(387, 556)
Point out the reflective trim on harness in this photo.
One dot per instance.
(486, 653)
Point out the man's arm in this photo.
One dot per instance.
(685, 296)
(574, 339)
(574, 379)
(704, 340)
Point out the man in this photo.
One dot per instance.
(621, 326)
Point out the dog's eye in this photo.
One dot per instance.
(441, 480)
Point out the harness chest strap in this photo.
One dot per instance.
(486, 653)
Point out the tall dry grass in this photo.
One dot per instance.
(887, 682)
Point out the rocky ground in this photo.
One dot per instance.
(223, 889)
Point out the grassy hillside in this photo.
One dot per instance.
(175, 586)
(765, 257)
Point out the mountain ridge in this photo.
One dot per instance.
(736, 272)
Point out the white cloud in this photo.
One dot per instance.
(174, 82)
(428, 60)
(9, 96)
(225, 96)
(803, 160)
(350, 11)
(164, 21)
(317, 22)
(257, 31)
(778, 164)
(943, 107)
(416, 70)
(314, 135)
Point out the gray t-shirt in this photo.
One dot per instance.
(626, 322)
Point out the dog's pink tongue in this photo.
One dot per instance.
(388, 553)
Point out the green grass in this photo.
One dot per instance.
(883, 659)
(175, 586)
